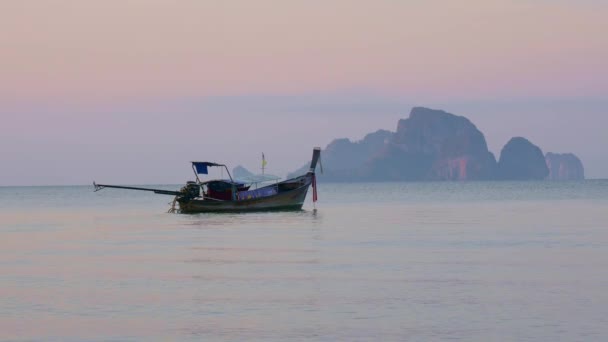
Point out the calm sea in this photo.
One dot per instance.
(485, 261)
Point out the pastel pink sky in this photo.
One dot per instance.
(66, 65)
(95, 50)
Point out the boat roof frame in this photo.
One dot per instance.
(209, 164)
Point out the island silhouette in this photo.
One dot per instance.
(433, 145)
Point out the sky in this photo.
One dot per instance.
(130, 91)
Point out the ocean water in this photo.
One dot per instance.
(483, 261)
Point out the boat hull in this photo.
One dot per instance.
(287, 200)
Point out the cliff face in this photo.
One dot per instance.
(522, 160)
(433, 145)
(342, 158)
(564, 166)
(342, 154)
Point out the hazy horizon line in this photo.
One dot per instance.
(322, 181)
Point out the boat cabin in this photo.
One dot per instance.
(222, 189)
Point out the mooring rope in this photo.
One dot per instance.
(172, 210)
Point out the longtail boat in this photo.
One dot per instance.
(230, 195)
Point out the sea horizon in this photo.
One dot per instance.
(326, 182)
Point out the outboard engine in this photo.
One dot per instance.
(191, 190)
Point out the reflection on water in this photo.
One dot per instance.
(210, 220)
(396, 261)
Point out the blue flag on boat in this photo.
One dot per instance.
(201, 167)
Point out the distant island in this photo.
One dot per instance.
(433, 145)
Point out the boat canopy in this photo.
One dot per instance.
(259, 178)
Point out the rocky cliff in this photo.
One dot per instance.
(521, 160)
(433, 145)
(564, 166)
(342, 158)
